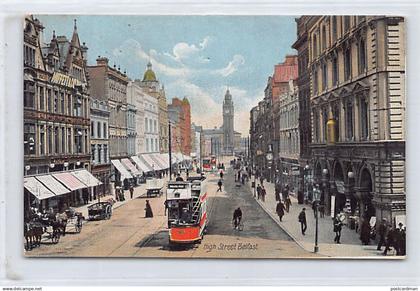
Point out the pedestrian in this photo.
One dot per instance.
(117, 193)
(219, 184)
(285, 192)
(148, 209)
(314, 207)
(277, 192)
(280, 210)
(365, 232)
(258, 192)
(288, 203)
(243, 179)
(179, 178)
(166, 207)
(237, 217)
(131, 191)
(399, 240)
(302, 220)
(321, 209)
(390, 239)
(221, 174)
(382, 232)
(262, 180)
(239, 176)
(337, 227)
(263, 193)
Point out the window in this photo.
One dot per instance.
(92, 128)
(41, 98)
(347, 63)
(55, 106)
(147, 145)
(69, 102)
(314, 47)
(28, 95)
(324, 38)
(29, 138)
(324, 123)
(105, 153)
(316, 126)
(362, 56)
(62, 103)
(105, 131)
(150, 126)
(156, 144)
(346, 23)
(349, 121)
(315, 81)
(364, 118)
(63, 140)
(336, 115)
(334, 70)
(98, 128)
(29, 56)
(99, 153)
(69, 147)
(146, 124)
(92, 150)
(154, 126)
(56, 140)
(78, 141)
(77, 109)
(49, 100)
(50, 140)
(324, 76)
(41, 140)
(152, 146)
(334, 28)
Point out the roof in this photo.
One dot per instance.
(286, 71)
(149, 75)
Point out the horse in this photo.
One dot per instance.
(32, 232)
(60, 223)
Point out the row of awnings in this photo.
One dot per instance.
(145, 163)
(55, 184)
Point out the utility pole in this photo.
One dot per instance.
(170, 150)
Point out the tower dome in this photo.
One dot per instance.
(149, 75)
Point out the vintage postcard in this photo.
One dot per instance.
(214, 136)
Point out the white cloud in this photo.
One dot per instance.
(183, 51)
(232, 66)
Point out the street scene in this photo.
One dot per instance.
(211, 137)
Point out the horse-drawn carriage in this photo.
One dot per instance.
(100, 210)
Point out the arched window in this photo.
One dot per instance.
(347, 63)
(315, 46)
(334, 28)
(362, 56)
(324, 38)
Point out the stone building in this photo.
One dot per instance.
(136, 97)
(131, 129)
(110, 84)
(151, 86)
(357, 101)
(99, 141)
(56, 102)
(289, 145)
(151, 124)
(184, 123)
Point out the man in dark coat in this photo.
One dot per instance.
(302, 220)
(365, 232)
(179, 178)
(263, 193)
(280, 210)
(258, 192)
(221, 175)
(277, 192)
(148, 209)
(337, 226)
(390, 239)
(382, 232)
(237, 216)
(219, 184)
(131, 191)
(287, 203)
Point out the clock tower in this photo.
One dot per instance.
(228, 131)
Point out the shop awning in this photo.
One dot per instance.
(142, 166)
(149, 161)
(123, 171)
(127, 163)
(37, 188)
(87, 178)
(69, 181)
(164, 160)
(158, 161)
(51, 183)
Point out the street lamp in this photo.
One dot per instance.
(27, 168)
(306, 178)
(317, 196)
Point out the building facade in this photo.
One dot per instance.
(99, 142)
(184, 123)
(228, 124)
(56, 102)
(152, 86)
(357, 101)
(131, 129)
(136, 97)
(110, 84)
(151, 124)
(289, 151)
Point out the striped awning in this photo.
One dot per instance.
(127, 163)
(158, 161)
(123, 171)
(51, 183)
(69, 181)
(141, 165)
(86, 178)
(149, 161)
(37, 188)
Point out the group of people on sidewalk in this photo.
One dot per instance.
(390, 236)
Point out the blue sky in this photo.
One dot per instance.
(193, 56)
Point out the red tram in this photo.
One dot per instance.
(187, 215)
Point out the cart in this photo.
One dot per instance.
(154, 187)
(100, 210)
(74, 219)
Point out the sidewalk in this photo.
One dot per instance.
(350, 246)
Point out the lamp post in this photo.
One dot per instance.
(27, 168)
(306, 177)
(317, 195)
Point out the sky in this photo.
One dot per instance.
(197, 57)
